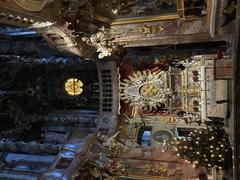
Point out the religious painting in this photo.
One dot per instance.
(163, 135)
(32, 5)
(195, 8)
(148, 10)
(229, 12)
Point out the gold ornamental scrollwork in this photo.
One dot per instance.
(151, 29)
(146, 29)
(154, 168)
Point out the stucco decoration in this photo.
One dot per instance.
(146, 89)
(116, 147)
(83, 21)
(102, 42)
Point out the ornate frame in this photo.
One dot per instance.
(179, 14)
(138, 177)
(157, 131)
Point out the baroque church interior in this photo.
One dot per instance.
(119, 89)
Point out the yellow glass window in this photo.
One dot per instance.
(73, 86)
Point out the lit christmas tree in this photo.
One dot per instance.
(205, 147)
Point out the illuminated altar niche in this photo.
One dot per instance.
(182, 100)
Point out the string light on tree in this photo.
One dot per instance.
(207, 147)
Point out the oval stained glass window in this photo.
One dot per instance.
(73, 87)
